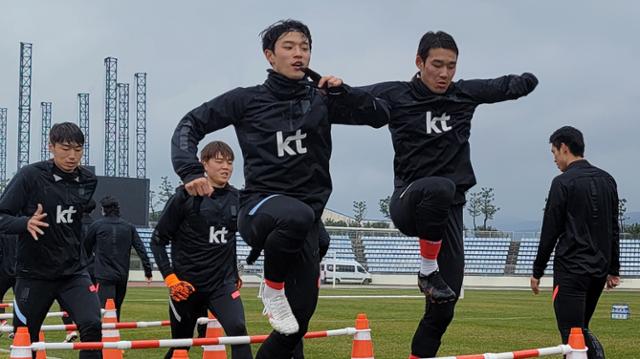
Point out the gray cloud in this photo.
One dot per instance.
(583, 52)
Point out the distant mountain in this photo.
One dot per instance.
(634, 217)
(515, 224)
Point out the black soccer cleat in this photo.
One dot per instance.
(434, 287)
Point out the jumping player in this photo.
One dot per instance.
(284, 130)
(430, 127)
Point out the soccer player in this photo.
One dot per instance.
(203, 272)
(110, 239)
(581, 223)
(284, 130)
(43, 204)
(430, 128)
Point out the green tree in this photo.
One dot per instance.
(359, 211)
(384, 207)
(165, 191)
(473, 207)
(487, 208)
(333, 223)
(634, 230)
(377, 224)
(622, 213)
(153, 215)
(3, 185)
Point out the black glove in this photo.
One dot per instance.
(523, 84)
(253, 255)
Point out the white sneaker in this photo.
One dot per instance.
(71, 337)
(278, 310)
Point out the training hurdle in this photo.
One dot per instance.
(119, 325)
(22, 347)
(49, 315)
(576, 349)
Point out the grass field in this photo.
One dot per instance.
(486, 321)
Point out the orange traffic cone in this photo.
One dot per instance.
(214, 330)
(41, 354)
(110, 335)
(180, 354)
(362, 346)
(576, 342)
(21, 347)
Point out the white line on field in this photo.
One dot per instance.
(369, 296)
(321, 296)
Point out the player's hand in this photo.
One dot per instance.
(253, 255)
(613, 281)
(535, 285)
(239, 283)
(36, 223)
(199, 187)
(179, 290)
(329, 81)
(148, 280)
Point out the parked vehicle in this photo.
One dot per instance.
(345, 272)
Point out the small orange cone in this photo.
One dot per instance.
(180, 354)
(21, 347)
(41, 354)
(110, 335)
(576, 342)
(362, 345)
(214, 330)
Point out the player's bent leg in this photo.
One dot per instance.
(302, 291)
(32, 301)
(227, 306)
(78, 295)
(422, 209)
(427, 338)
(183, 316)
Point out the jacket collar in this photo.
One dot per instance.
(285, 88)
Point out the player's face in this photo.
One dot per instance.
(438, 69)
(219, 170)
(291, 55)
(66, 155)
(560, 156)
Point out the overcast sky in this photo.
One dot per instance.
(585, 54)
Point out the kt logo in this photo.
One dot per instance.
(432, 123)
(218, 236)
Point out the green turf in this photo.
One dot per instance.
(486, 321)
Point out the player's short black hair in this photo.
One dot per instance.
(110, 206)
(212, 149)
(570, 136)
(436, 40)
(272, 33)
(66, 132)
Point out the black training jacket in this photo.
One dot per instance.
(58, 252)
(110, 240)
(202, 234)
(430, 132)
(284, 129)
(581, 222)
(8, 244)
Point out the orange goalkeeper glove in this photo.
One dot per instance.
(179, 290)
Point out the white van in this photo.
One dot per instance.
(345, 271)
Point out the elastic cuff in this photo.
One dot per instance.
(171, 280)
